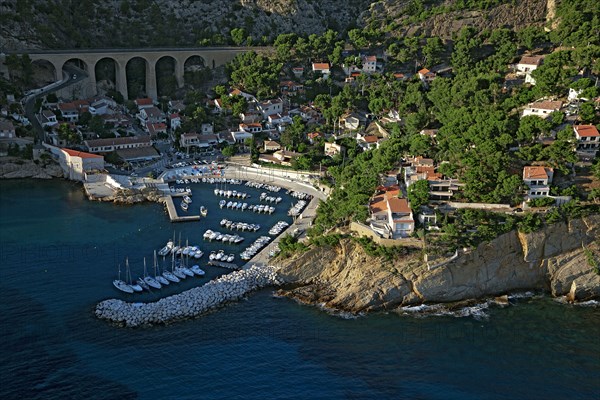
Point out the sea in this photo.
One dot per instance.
(60, 252)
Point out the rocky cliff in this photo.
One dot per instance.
(557, 259)
(28, 169)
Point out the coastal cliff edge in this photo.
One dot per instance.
(560, 259)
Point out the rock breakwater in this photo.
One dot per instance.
(190, 303)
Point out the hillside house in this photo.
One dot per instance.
(538, 180)
(144, 103)
(542, 109)
(331, 149)
(130, 148)
(152, 115)
(391, 216)
(588, 138)
(426, 76)
(321, 68)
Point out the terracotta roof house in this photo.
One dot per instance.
(542, 109)
(391, 215)
(537, 179)
(588, 138)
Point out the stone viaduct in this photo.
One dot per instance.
(87, 60)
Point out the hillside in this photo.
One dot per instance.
(144, 23)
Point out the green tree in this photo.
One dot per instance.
(293, 134)
(432, 51)
(238, 35)
(418, 194)
(587, 113)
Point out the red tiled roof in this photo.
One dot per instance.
(586, 130)
(143, 102)
(80, 154)
(398, 205)
(533, 172)
(546, 105)
(371, 139)
(531, 60)
(320, 66)
(424, 71)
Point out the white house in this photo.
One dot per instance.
(48, 118)
(205, 141)
(426, 76)
(240, 137)
(369, 64)
(273, 106)
(542, 109)
(76, 163)
(391, 213)
(152, 115)
(69, 111)
(129, 148)
(322, 68)
(528, 64)
(537, 180)
(588, 138)
(174, 121)
(331, 149)
(251, 128)
(350, 121)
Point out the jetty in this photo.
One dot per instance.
(222, 264)
(190, 303)
(172, 211)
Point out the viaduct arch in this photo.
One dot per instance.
(212, 58)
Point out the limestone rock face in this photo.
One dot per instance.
(554, 259)
(28, 169)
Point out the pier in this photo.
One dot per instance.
(222, 264)
(172, 210)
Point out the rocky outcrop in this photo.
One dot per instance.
(555, 259)
(28, 169)
(131, 196)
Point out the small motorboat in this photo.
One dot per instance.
(187, 199)
(184, 206)
(197, 270)
(230, 258)
(203, 211)
(212, 255)
(222, 203)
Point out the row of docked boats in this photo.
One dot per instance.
(222, 237)
(243, 226)
(299, 195)
(222, 180)
(255, 247)
(174, 189)
(270, 199)
(230, 193)
(221, 256)
(297, 208)
(259, 185)
(180, 251)
(159, 280)
(186, 182)
(278, 228)
(257, 208)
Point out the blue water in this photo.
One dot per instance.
(59, 253)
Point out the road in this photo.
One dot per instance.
(68, 72)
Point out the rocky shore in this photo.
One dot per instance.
(555, 260)
(190, 303)
(131, 196)
(21, 169)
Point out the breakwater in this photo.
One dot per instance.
(190, 303)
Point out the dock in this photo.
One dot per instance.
(172, 210)
(222, 264)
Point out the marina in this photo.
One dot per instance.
(172, 211)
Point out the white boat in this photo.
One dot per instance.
(170, 276)
(216, 192)
(184, 206)
(150, 281)
(140, 285)
(196, 270)
(230, 258)
(165, 250)
(203, 211)
(213, 235)
(222, 203)
(223, 222)
(229, 203)
(159, 278)
(198, 254)
(219, 255)
(186, 270)
(187, 199)
(212, 255)
(122, 285)
(207, 234)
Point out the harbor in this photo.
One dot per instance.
(173, 214)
